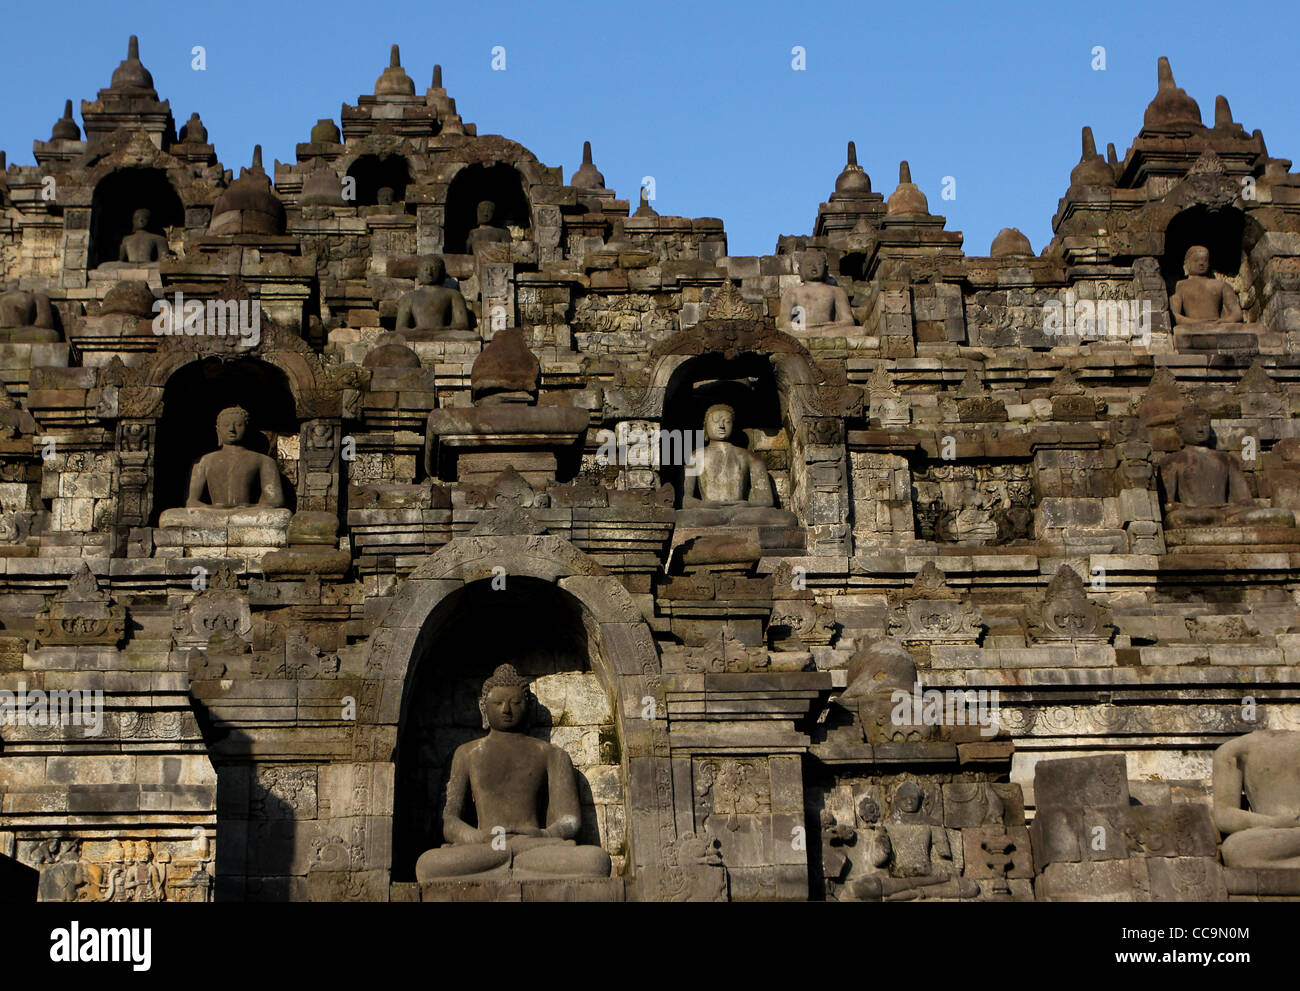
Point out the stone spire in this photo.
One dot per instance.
(65, 128)
(907, 199)
(394, 81)
(1171, 105)
(131, 75)
(645, 209)
(437, 77)
(1222, 112)
(587, 176)
(1223, 118)
(129, 103)
(1112, 159)
(1092, 169)
(853, 181)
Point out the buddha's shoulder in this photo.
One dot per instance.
(467, 750)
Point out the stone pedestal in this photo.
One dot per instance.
(475, 445)
(733, 538)
(1240, 539)
(209, 532)
(1215, 340)
(505, 888)
(313, 549)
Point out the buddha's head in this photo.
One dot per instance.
(505, 701)
(909, 797)
(140, 219)
(232, 424)
(812, 266)
(1193, 425)
(1197, 260)
(431, 272)
(385, 196)
(869, 810)
(486, 211)
(719, 421)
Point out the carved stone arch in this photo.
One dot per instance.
(382, 148)
(490, 149)
(625, 658)
(503, 183)
(1220, 228)
(119, 158)
(313, 394)
(196, 186)
(145, 437)
(381, 145)
(815, 402)
(806, 387)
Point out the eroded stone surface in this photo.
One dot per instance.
(1051, 494)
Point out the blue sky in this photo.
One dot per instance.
(701, 95)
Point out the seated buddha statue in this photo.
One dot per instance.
(431, 308)
(27, 316)
(486, 232)
(1204, 487)
(141, 247)
(1262, 767)
(816, 305)
(508, 776)
(724, 483)
(1203, 303)
(233, 476)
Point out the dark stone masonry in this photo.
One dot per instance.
(407, 505)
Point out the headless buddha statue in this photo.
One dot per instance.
(1264, 767)
(507, 775)
(27, 316)
(233, 476)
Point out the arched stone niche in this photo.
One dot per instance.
(746, 383)
(184, 384)
(373, 172)
(498, 182)
(193, 397)
(814, 403)
(405, 651)
(546, 640)
(116, 198)
(1222, 231)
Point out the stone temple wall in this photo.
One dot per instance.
(1063, 482)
